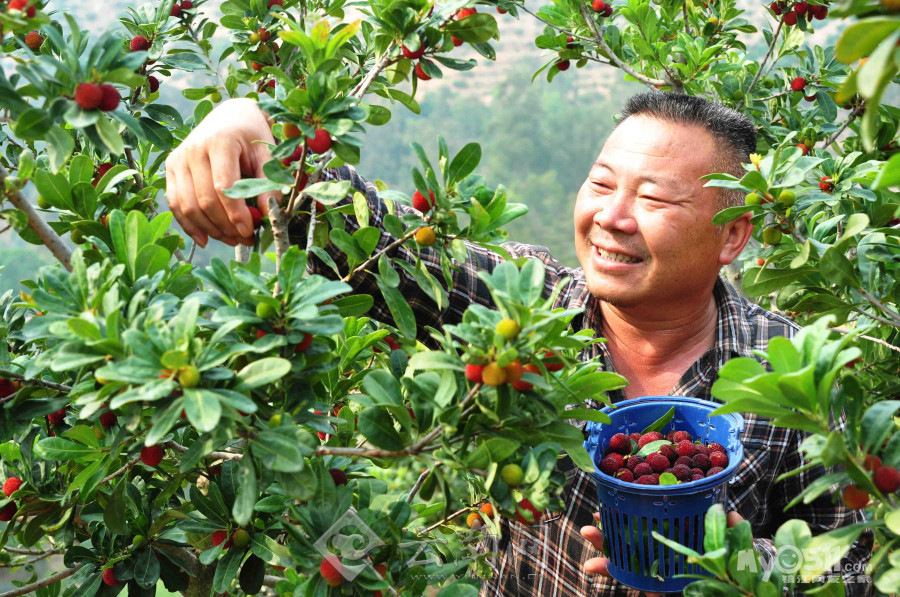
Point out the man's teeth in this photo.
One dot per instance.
(616, 256)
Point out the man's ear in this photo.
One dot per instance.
(735, 235)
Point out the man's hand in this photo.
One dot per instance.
(595, 536)
(210, 160)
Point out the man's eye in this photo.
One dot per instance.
(601, 185)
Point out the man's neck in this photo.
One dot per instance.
(654, 342)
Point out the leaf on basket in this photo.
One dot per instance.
(661, 422)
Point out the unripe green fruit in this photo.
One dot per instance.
(508, 328)
(240, 538)
(254, 38)
(189, 376)
(43, 203)
(139, 542)
(512, 475)
(771, 236)
(738, 95)
(752, 199)
(215, 97)
(275, 421)
(787, 197)
(265, 310)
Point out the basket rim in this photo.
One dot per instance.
(681, 488)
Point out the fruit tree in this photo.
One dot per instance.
(224, 428)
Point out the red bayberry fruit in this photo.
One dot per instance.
(685, 460)
(620, 443)
(411, 54)
(552, 361)
(633, 461)
(422, 204)
(669, 452)
(11, 485)
(789, 18)
(8, 511)
(109, 578)
(465, 12)
(108, 419)
(886, 478)
(153, 82)
(88, 96)
(714, 471)
(320, 143)
(255, 216)
(524, 386)
(719, 459)
(670, 436)
(819, 12)
(798, 83)
(855, 498)
(682, 436)
(871, 462)
(697, 471)
(701, 462)
(22, 5)
(218, 537)
(653, 436)
(276, 3)
(139, 43)
(682, 472)
(522, 512)
(33, 40)
(642, 470)
(825, 184)
(776, 8)
(634, 436)
(685, 448)
(760, 262)
(111, 97)
(610, 464)
(625, 475)
(57, 417)
(420, 71)
(697, 476)
(473, 372)
(658, 462)
(563, 65)
(152, 455)
(305, 343)
(598, 5)
(338, 476)
(714, 447)
(330, 570)
(801, 7)
(187, 5)
(176, 10)
(456, 41)
(392, 344)
(649, 479)
(701, 449)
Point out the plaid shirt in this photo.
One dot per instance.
(546, 559)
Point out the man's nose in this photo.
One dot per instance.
(616, 213)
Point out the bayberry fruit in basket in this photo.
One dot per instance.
(682, 436)
(714, 471)
(620, 443)
(701, 462)
(649, 480)
(611, 464)
(701, 449)
(685, 448)
(682, 472)
(633, 461)
(697, 471)
(658, 462)
(670, 436)
(625, 475)
(685, 460)
(669, 452)
(635, 436)
(697, 477)
(719, 459)
(653, 436)
(714, 447)
(642, 469)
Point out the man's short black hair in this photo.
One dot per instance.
(735, 132)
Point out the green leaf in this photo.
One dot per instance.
(109, 134)
(246, 494)
(383, 388)
(60, 146)
(730, 213)
(661, 422)
(400, 310)
(378, 427)
(668, 479)
(227, 569)
(828, 549)
(464, 163)
(793, 533)
(146, 568)
(860, 38)
(328, 192)
(434, 360)
(460, 588)
(714, 529)
(114, 512)
(32, 124)
(653, 447)
(57, 448)
(261, 372)
(877, 423)
(203, 409)
(269, 550)
(477, 28)
(587, 414)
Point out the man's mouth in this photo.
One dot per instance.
(616, 256)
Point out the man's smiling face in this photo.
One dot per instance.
(643, 220)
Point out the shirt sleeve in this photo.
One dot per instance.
(466, 287)
(825, 513)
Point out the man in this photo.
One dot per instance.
(649, 282)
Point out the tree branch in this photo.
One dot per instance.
(375, 257)
(44, 232)
(761, 65)
(853, 115)
(884, 308)
(598, 36)
(122, 470)
(869, 338)
(40, 584)
(37, 382)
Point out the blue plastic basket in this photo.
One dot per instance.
(629, 513)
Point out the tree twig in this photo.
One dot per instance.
(853, 115)
(437, 524)
(884, 308)
(375, 257)
(869, 338)
(40, 584)
(761, 65)
(122, 470)
(43, 230)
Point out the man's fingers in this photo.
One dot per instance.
(597, 566)
(594, 535)
(174, 196)
(191, 208)
(208, 199)
(733, 518)
(225, 170)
